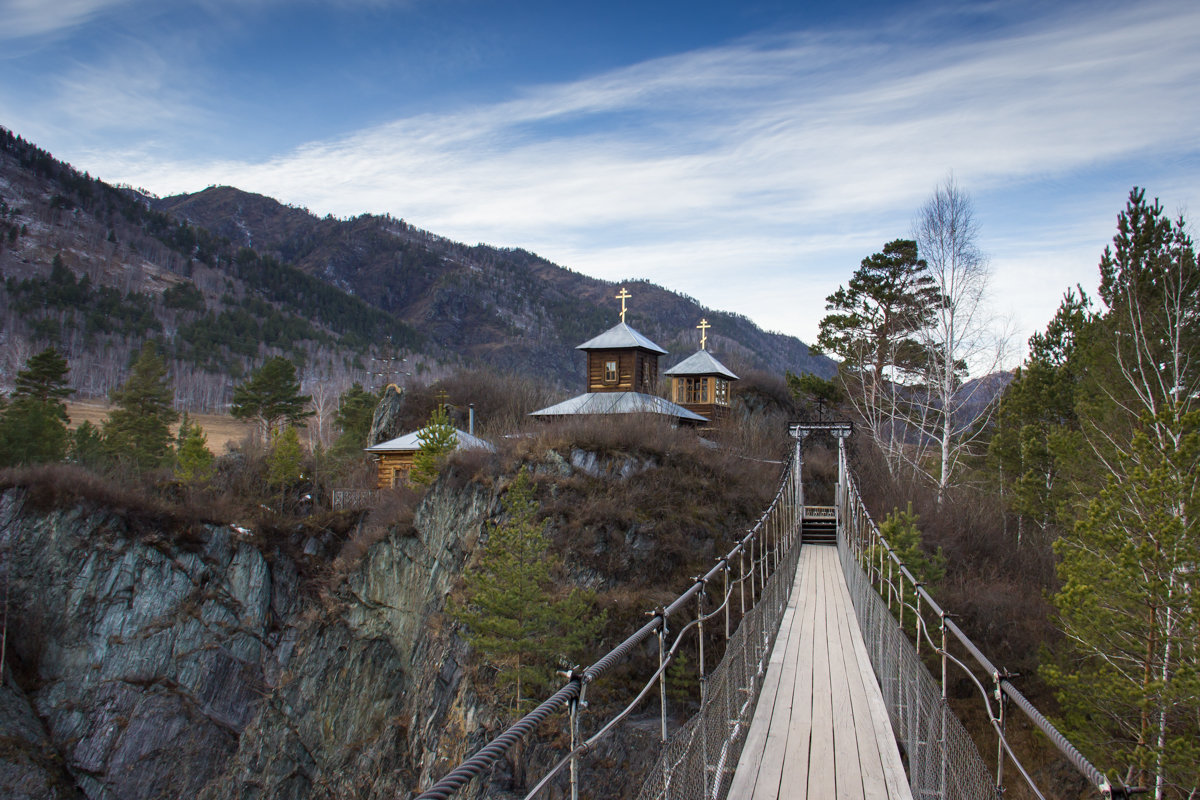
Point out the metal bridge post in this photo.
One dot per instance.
(753, 568)
(742, 580)
(889, 579)
(942, 777)
(573, 709)
(662, 696)
(1000, 723)
(703, 687)
(763, 536)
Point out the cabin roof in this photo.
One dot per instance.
(618, 403)
(411, 442)
(620, 337)
(701, 362)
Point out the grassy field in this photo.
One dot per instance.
(222, 429)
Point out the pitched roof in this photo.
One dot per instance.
(412, 442)
(618, 403)
(701, 362)
(619, 337)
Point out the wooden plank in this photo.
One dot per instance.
(870, 765)
(847, 765)
(822, 781)
(777, 747)
(881, 727)
(794, 780)
(745, 776)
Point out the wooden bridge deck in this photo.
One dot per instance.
(820, 729)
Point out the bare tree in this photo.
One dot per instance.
(960, 338)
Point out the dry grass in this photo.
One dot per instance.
(223, 430)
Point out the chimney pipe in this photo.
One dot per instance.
(471, 419)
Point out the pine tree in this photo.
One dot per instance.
(512, 615)
(33, 427)
(271, 396)
(872, 327)
(138, 429)
(438, 438)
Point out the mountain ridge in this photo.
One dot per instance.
(425, 278)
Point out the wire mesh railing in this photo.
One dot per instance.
(943, 761)
(697, 759)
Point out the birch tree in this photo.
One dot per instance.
(960, 336)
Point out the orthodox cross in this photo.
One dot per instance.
(623, 296)
(703, 326)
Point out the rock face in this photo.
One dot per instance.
(163, 664)
(385, 420)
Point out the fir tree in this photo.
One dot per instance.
(284, 461)
(193, 459)
(87, 446)
(438, 438)
(355, 411)
(513, 615)
(138, 429)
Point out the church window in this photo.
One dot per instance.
(610, 371)
(693, 390)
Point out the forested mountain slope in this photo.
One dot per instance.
(519, 310)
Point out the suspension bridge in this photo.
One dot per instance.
(822, 688)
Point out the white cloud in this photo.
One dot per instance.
(37, 17)
(742, 157)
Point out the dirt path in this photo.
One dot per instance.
(222, 429)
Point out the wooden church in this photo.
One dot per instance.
(622, 376)
(702, 384)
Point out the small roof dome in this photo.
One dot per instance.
(701, 362)
(621, 337)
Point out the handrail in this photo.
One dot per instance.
(855, 508)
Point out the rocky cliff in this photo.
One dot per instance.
(156, 663)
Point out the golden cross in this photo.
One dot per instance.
(623, 296)
(703, 326)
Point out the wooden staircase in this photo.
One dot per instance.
(819, 526)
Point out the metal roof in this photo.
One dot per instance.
(618, 403)
(701, 362)
(619, 337)
(412, 442)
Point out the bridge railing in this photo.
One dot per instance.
(697, 760)
(943, 760)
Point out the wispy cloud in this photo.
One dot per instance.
(744, 156)
(37, 17)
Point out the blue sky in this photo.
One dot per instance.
(748, 154)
